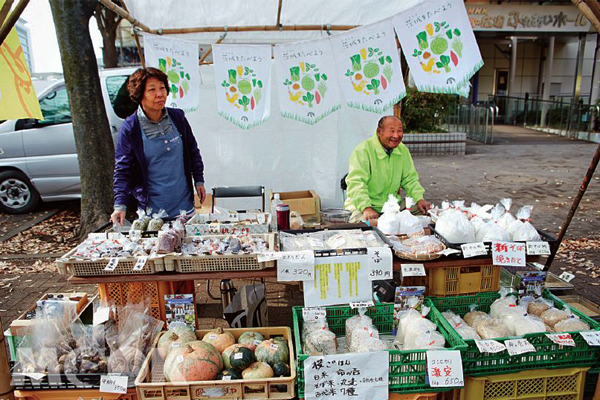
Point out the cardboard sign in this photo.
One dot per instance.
(101, 316)
(113, 384)
(140, 263)
(592, 337)
(508, 254)
(296, 266)
(563, 339)
(519, 346)
(362, 304)
(566, 276)
(538, 248)
(380, 263)
(313, 314)
(413, 270)
(473, 249)
(489, 346)
(445, 369)
(112, 264)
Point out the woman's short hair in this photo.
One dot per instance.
(137, 82)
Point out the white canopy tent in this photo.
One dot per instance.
(281, 154)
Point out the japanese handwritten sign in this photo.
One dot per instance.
(140, 263)
(519, 346)
(314, 313)
(112, 264)
(113, 384)
(508, 254)
(296, 266)
(362, 304)
(489, 346)
(444, 368)
(538, 248)
(354, 375)
(592, 337)
(563, 339)
(413, 270)
(473, 249)
(380, 263)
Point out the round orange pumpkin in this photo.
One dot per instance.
(173, 338)
(220, 339)
(195, 361)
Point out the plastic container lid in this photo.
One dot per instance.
(283, 207)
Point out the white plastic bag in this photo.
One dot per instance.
(507, 217)
(409, 224)
(413, 324)
(455, 227)
(389, 222)
(492, 231)
(460, 326)
(529, 324)
(521, 229)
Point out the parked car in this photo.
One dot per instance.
(38, 159)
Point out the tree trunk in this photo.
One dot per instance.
(109, 49)
(93, 139)
(108, 23)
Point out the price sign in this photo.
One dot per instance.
(566, 276)
(362, 304)
(473, 249)
(268, 256)
(489, 346)
(113, 384)
(563, 339)
(519, 346)
(296, 266)
(273, 347)
(140, 263)
(508, 254)
(96, 236)
(413, 270)
(238, 356)
(175, 344)
(380, 263)
(538, 248)
(313, 314)
(592, 337)
(445, 369)
(112, 264)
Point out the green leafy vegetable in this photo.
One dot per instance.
(382, 60)
(422, 39)
(388, 72)
(456, 32)
(317, 77)
(449, 33)
(244, 101)
(324, 76)
(232, 76)
(295, 73)
(259, 85)
(445, 61)
(309, 97)
(388, 59)
(224, 83)
(162, 64)
(374, 86)
(457, 46)
(322, 87)
(356, 63)
(257, 95)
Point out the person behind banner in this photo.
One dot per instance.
(157, 160)
(380, 166)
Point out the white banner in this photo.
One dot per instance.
(305, 81)
(179, 60)
(368, 67)
(243, 83)
(439, 46)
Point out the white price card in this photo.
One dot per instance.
(413, 270)
(296, 266)
(358, 376)
(362, 304)
(140, 263)
(113, 384)
(566, 276)
(380, 263)
(563, 339)
(519, 346)
(473, 249)
(96, 236)
(268, 256)
(445, 369)
(112, 264)
(508, 254)
(538, 248)
(489, 346)
(101, 316)
(313, 313)
(592, 337)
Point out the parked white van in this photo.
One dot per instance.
(38, 159)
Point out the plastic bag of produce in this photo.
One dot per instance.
(389, 222)
(455, 227)
(492, 231)
(460, 326)
(426, 340)
(572, 324)
(504, 305)
(412, 324)
(490, 328)
(157, 221)
(553, 316)
(506, 219)
(355, 324)
(141, 224)
(521, 229)
(538, 306)
(529, 324)
(371, 344)
(409, 224)
(317, 339)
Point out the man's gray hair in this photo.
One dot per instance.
(382, 120)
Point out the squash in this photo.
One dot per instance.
(173, 338)
(220, 339)
(195, 361)
(229, 374)
(241, 358)
(251, 339)
(227, 352)
(258, 370)
(273, 351)
(281, 369)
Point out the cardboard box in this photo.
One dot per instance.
(307, 203)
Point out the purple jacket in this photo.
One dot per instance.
(130, 164)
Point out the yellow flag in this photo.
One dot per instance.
(17, 96)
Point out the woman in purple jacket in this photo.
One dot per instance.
(157, 161)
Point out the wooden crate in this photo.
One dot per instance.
(73, 394)
(96, 268)
(458, 281)
(151, 386)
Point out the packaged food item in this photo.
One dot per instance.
(409, 224)
(521, 229)
(553, 316)
(504, 305)
(491, 231)
(474, 316)
(141, 224)
(412, 324)
(156, 223)
(491, 328)
(317, 339)
(358, 324)
(460, 326)
(371, 344)
(529, 324)
(538, 306)
(505, 220)
(389, 221)
(572, 324)
(454, 225)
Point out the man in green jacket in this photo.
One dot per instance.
(380, 166)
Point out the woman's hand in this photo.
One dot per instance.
(118, 217)
(201, 193)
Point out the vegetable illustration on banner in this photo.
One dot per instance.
(368, 67)
(179, 60)
(242, 79)
(439, 46)
(307, 92)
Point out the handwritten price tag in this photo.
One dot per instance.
(473, 249)
(380, 263)
(563, 339)
(519, 346)
(96, 236)
(313, 314)
(413, 270)
(445, 368)
(296, 266)
(140, 263)
(508, 254)
(538, 248)
(112, 264)
(362, 304)
(489, 346)
(592, 337)
(113, 384)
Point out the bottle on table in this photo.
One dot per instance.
(274, 203)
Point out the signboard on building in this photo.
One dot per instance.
(526, 18)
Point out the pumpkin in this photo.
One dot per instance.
(281, 369)
(251, 339)
(220, 339)
(241, 358)
(227, 352)
(229, 374)
(195, 361)
(258, 370)
(173, 338)
(272, 351)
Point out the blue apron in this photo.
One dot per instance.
(167, 184)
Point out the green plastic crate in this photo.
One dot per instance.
(591, 379)
(408, 369)
(548, 354)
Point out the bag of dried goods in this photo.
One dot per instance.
(521, 229)
(553, 316)
(506, 218)
(573, 324)
(157, 221)
(389, 222)
(460, 326)
(409, 224)
(538, 306)
(528, 324)
(455, 227)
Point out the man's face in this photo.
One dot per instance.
(391, 133)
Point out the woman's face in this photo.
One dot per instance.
(155, 95)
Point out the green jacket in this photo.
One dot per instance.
(373, 175)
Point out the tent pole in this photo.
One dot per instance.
(219, 40)
(12, 20)
(278, 24)
(256, 28)
(137, 39)
(4, 11)
(116, 9)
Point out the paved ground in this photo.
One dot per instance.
(530, 167)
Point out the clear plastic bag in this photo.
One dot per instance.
(490, 328)
(409, 224)
(455, 227)
(505, 220)
(426, 340)
(460, 326)
(389, 222)
(553, 316)
(356, 324)
(320, 342)
(141, 224)
(157, 221)
(529, 324)
(371, 344)
(521, 229)
(413, 323)
(492, 231)
(538, 306)
(572, 324)
(504, 305)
